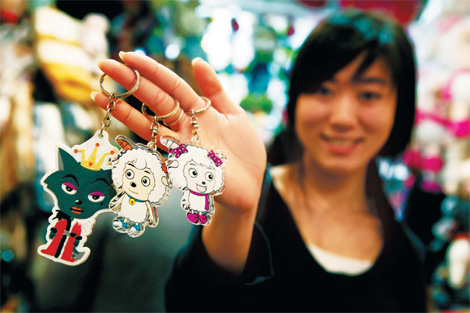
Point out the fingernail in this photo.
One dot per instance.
(121, 54)
(195, 60)
(93, 95)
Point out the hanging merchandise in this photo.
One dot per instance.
(82, 189)
(440, 150)
(67, 50)
(264, 41)
(141, 182)
(197, 171)
(16, 107)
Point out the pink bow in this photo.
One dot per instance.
(179, 151)
(215, 158)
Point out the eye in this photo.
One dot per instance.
(369, 96)
(145, 181)
(193, 172)
(69, 188)
(323, 91)
(129, 174)
(96, 196)
(209, 176)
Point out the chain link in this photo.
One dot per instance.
(154, 128)
(194, 128)
(106, 122)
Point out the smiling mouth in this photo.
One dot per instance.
(341, 142)
(201, 188)
(76, 210)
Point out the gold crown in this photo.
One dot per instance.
(91, 163)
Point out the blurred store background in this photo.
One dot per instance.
(49, 51)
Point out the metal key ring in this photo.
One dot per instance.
(175, 121)
(162, 117)
(204, 109)
(120, 95)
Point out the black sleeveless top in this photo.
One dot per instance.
(282, 276)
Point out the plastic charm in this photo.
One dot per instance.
(81, 188)
(142, 186)
(198, 172)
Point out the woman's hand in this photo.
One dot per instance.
(225, 127)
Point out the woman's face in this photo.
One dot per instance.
(344, 124)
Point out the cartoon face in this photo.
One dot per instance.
(138, 183)
(80, 192)
(200, 178)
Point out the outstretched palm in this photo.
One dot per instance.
(224, 127)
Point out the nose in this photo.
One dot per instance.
(344, 113)
(78, 202)
(203, 182)
(133, 184)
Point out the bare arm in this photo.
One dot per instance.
(225, 126)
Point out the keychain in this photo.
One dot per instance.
(141, 182)
(196, 171)
(82, 189)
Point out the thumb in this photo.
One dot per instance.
(206, 78)
(210, 85)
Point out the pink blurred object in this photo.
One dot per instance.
(460, 129)
(423, 116)
(433, 164)
(412, 158)
(317, 4)
(403, 12)
(431, 186)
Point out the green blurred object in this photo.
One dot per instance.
(257, 102)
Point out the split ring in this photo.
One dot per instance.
(162, 117)
(204, 109)
(120, 95)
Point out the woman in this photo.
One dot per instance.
(324, 237)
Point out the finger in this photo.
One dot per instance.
(165, 78)
(133, 119)
(154, 97)
(211, 87)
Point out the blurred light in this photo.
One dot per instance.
(172, 51)
(7, 255)
(203, 11)
(401, 172)
(140, 51)
(277, 22)
(384, 168)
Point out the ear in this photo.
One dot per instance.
(66, 160)
(169, 142)
(165, 180)
(125, 143)
(172, 163)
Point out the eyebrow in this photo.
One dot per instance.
(363, 80)
(73, 177)
(102, 180)
(131, 164)
(146, 171)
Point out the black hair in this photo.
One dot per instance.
(332, 45)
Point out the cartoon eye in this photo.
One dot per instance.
(69, 188)
(129, 174)
(193, 172)
(96, 196)
(145, 181)
(209, 176)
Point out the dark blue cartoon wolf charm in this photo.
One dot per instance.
(81, 188)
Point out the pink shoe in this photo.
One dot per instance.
(193, 218)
